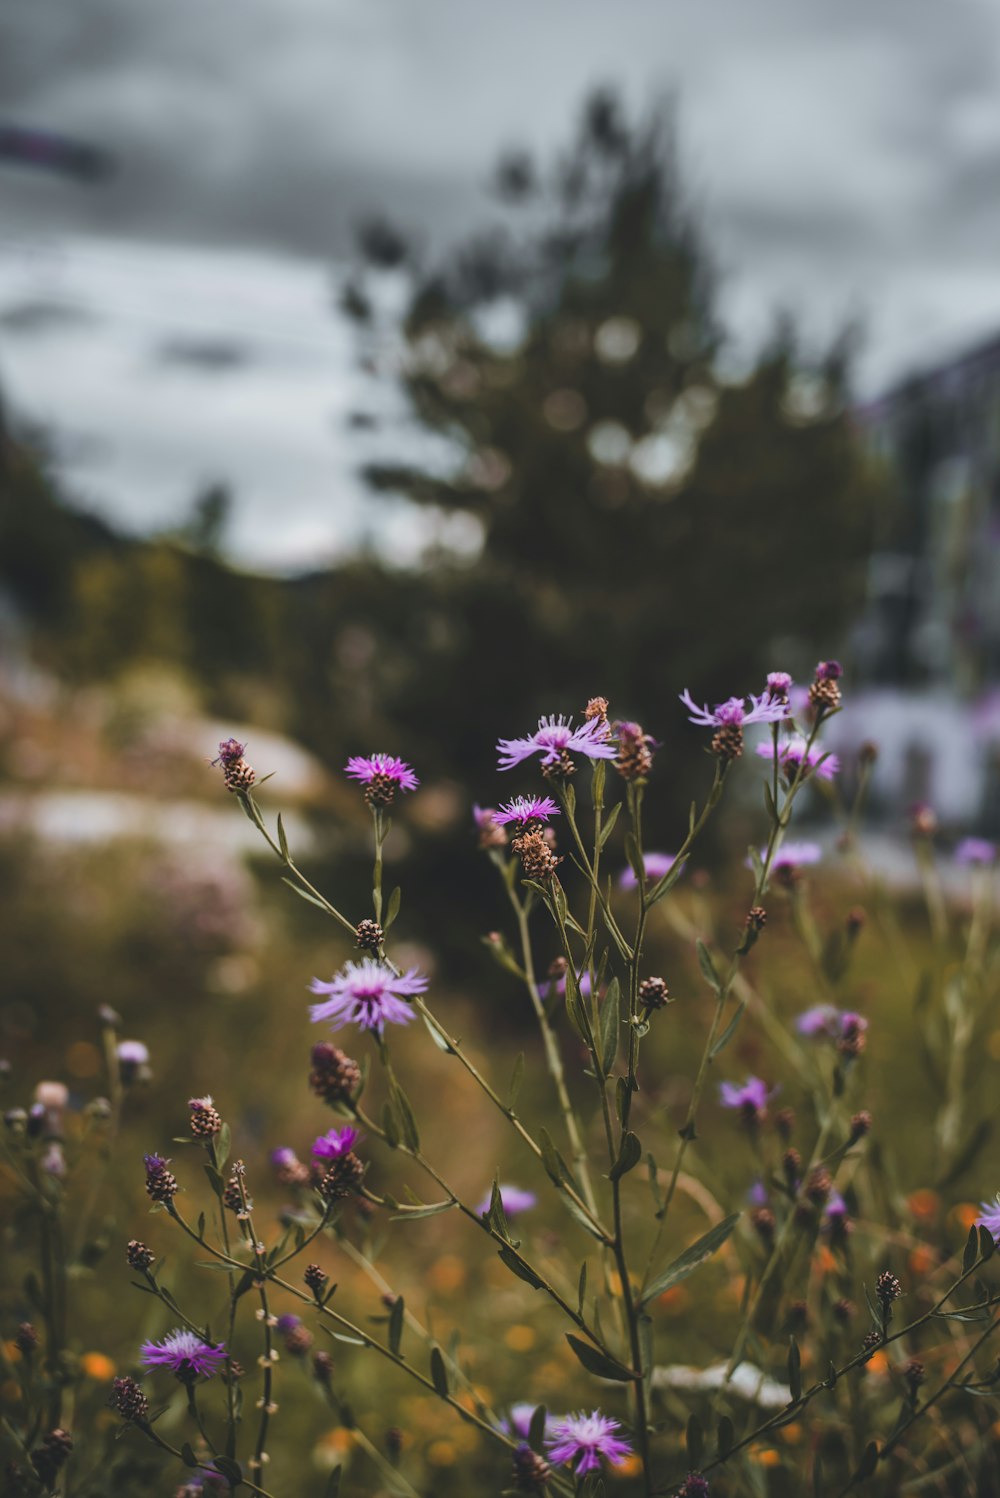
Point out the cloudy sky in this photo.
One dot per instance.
(175, 322)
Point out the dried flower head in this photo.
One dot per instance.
(369, 935)
(334, 1077)
(860, 1125)
(653, 994)
(635, 751)
(138, 1256)
(206, 1120)
(535, 852)
(128, 1399)
(316, 1279)
(887, 1289)
(161, 1185)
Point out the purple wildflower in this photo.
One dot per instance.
(369, 767)
(752, 1098)
(794, 855)
(826, 1020)
(518, 1421)
(829, 671)
(526, 809)
(558, 985)
(779, 684)
(764, 709)
(836, 1220)
(184, 1353)
(585, 1439)
(757, 1195)
(231, 751)
(990, 1218)
(694, 1486)
(338, 1142)
(514, 1201)
(133, 1053)
(792, 753)
(655, 864)
(283, 1156)
(288, 1322)
(556, 736)
(367, 993)
(975, 850)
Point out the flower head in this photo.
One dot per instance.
(975, 850)
(231, 751)
(367, 993)
(518, 1421)
(779, 684)
(556, 737)
(989, 1218)
(488, 828)
(369, 767)
(655, 864)
(734, 712)
(184, 1353)
(752, 1098)
(794, 855)
(526, 809)
(585, 1439)
(132, 1053)
(514, 1201)
(792, 753)
(335, 1143)
(830, 1023)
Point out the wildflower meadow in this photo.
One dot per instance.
(686, 1188)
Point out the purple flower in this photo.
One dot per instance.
(792, 753)
(655, 864)
(288, 1322)
(526, 809)
(230, 753)
(764, 709)
(757, 1195)
(829, 671)
(779, 684)
(990, 1218)
(831, 1023)
(558, 985)
(751, 1098)
(584, 1439)
(518, 1421)
(184, 1353)
(367, 768)
(366, 993)
(556, 736)
(514, 1201)
(975, 850)
(283, 1156)
(133, 1053)
(336, 1143)
(794, 855)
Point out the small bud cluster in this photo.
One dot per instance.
(128, 1399)
(531, 1471)
(535, 851)
(561, 768)
(369, 935)
(824, 694)
(380, 790)
(322, 1367)
(653, 994)
(852, 1039)
(762, 1220)
(234, 1195)
(237, 774)
(333, 1077)
(635, 751)
(51, 1456)
(315, 1278)
(343, 1177)
(161, 1184)
(206, 1120)
(727, 742)
(137, 1255)
(887, 1289)
(860, 1125)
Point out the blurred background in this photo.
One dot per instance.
(378, 377)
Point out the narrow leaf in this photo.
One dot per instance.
(392, 909)
(690, 1259)
(550, 1158)
(728, 1033)
(582, 1289)
(707, 966)
(794, 1368)
(596, 1361)
(628, 1157)
(396, 1324)
(282, 839)
(518, 1267)
(695, 1440)
(610, 1025)
(439, 1373)
(303, 894)
(517, 1077)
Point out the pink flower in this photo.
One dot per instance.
(556, 736)
(526, 809)
(791, 754)
(367, 994)
(585, 1439)
(381, 767)
(763, 709)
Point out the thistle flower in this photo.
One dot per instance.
(128, 1399)
(185, 1353)
(488, 827)
(655, 865)
(779, 684)
(653, 994)
(525, 809)
(316, 1278)
(751, 1099)
(518, 1421)
(584, 1439)
(635, 751)
(206, 1120)
(824, 694)
(790, 857)
(367, 994)
(830, 1023)
(336, 1143)
(734, 713)
(554, 739)
(990, 1218)
(161, 1184)
(138, 1256)
(382, 775)
(975, 850)
(333, 1076)
(531, 1472)
(792, 753)
(887, 1289)
(237, 774)
(694, 1485)
(369, 935)
(514, 1201)
(133, 1057)
(836, 1219)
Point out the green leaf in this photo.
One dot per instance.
(516, 1079)
(439, 1373)
(695, 1441)
(971, 1253)
(794, 1368)
(621, 1093)
(396, 1324)
(707, 966)
(392, 909)
(666, 884)
(332, 1489)
(987, 1246)
(635, 858)
(303, 894)
(412, 1214)
(769, 803)
(756, 862)
(596, 1361)
(582, 1288)
(690, 1259)
(408, 1123)
(728, 1032)
(389, 1125)
(536, 1429)
(868, 1462)
(609, 825)
(550, 1158)
(628, 1157)
(496, 1216)
(725, 1436)
(231, 1470)
(518, 1267)
(610, 1025)
(223, 1145)
(282, 839)
(187, 1455)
